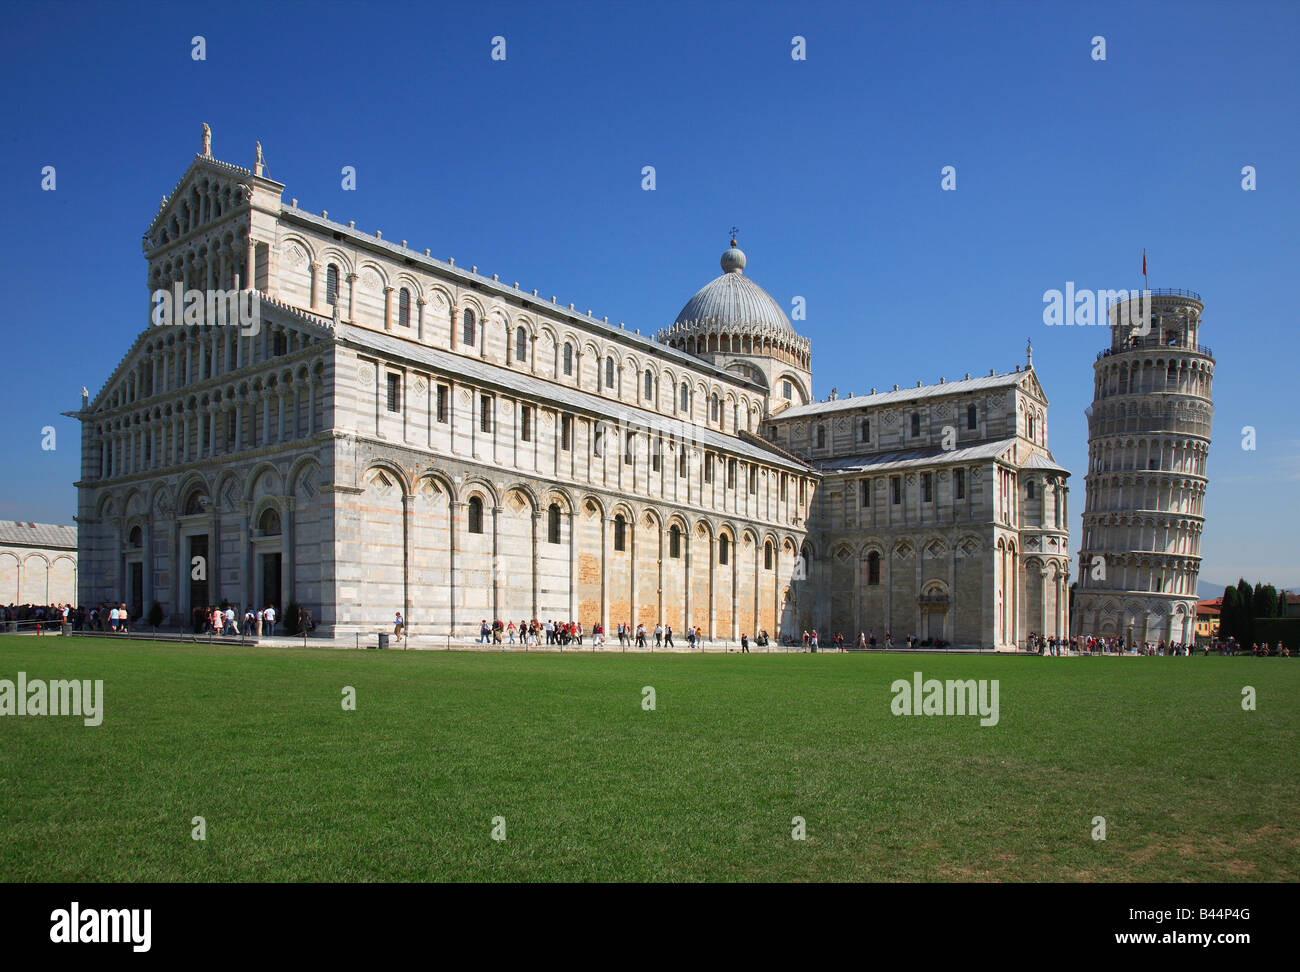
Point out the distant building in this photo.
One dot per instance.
(38, 563)
(1207, 617)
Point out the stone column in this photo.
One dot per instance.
(408, 553)
(245, 557)
(604, 574)
(146, 573)
(420, 303)
(713, 586)
(633, 530)
(689, 540)
(662, 568)
(496, 561)
(573, 567)
(734, 560)
(352, 297)
(314, 300)
(388, 308)
(533, 581)
(453, 517)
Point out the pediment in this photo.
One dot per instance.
(1031, 384)
(208, 191)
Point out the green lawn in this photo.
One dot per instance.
(593, 787)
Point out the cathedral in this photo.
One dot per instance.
(393, 432)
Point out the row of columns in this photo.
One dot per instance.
(190, 434)
(457, 510)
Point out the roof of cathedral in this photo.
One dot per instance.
(21, 534)
(909, 458)
(903, 395)
(906, 458)
(534, 304)
(552, 393)
(1037, 460)
(734, 302)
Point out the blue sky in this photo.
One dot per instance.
(530, 167)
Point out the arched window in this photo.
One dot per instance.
(713, 407)
(873, 568)
(568, 358)
(916, 424)
(136, 539)
(269, 523)
(620, 532)
(674, 541)
(685, 402)
(767, 555)
(332, 284)
(1031, 426)
(475, 515)
(553, 524)
(469, 340)
(1029, 489)
(724, 553)
(404, 308)
(970, 416)
(521, 344)
(821, 437)
(649, 391)
(196, 502)
(865, 431)
(609, 372)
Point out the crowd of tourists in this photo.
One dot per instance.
(536, 633)
(116, 618)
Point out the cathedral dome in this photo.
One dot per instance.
(733, 303)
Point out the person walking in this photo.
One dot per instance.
(744, 643)
(270, 621)
(668, 636)
(659, 635)
(398, 627)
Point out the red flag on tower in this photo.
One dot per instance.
(1144, 261)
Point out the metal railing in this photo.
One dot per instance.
(1157, 345)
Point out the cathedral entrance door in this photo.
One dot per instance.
(198, 572)
(271, 583)
(934, 624)
(136, 593)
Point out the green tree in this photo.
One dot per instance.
(1245, 607)
(1228, 614)
(1265, 601)
(1281, 604)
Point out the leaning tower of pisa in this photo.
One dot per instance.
(1148, 441)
